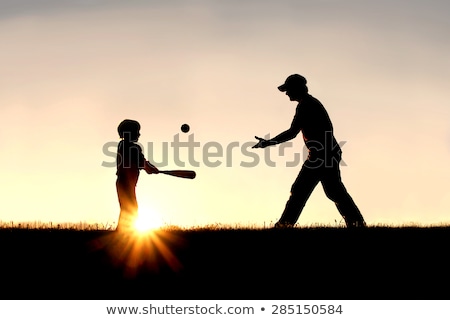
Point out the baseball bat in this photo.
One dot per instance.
(188, 174)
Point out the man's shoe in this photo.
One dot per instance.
(283, 225)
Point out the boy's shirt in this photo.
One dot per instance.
(130, 160)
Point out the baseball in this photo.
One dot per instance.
(185, 128)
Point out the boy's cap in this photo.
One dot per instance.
(294, 80)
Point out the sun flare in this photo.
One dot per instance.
(147, 220)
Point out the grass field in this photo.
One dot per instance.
(219, 262)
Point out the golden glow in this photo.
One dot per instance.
(144, 252)
(147, 220)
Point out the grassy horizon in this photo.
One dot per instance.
(86, 226)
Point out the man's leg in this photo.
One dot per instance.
(336, 191)
(301, 189)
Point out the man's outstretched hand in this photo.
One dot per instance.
(262, 143)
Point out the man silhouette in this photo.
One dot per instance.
(322, 164)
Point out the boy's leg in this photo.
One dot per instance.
(128, 207)
(336, 191)
(301, 189)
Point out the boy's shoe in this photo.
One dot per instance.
(356, 224)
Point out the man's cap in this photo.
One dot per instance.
(293, 81)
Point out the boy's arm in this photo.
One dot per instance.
(150, 168)
(147, 166)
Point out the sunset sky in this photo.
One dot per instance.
(72, 70)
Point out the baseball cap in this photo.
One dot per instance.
(294, 80)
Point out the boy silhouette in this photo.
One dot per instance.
(130, 160)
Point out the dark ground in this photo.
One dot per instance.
(322, 263)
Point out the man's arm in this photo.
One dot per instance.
(291, 133)
(287, 135)
(282, 137)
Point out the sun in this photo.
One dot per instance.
(147, 220)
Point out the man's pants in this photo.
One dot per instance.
(329, 175)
